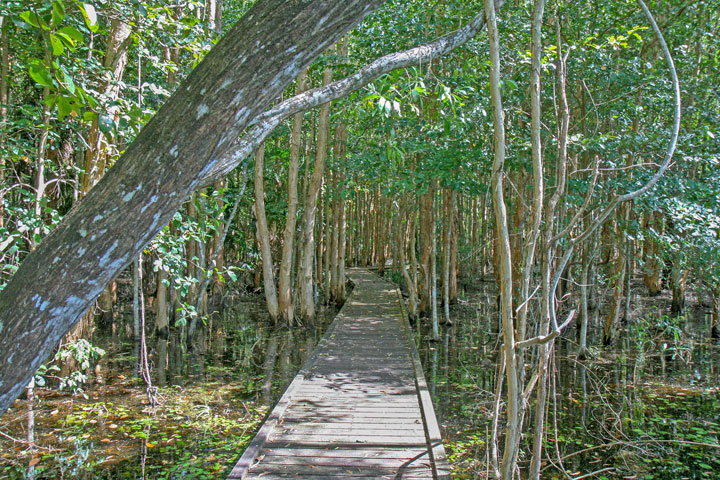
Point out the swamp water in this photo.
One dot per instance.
(646, 408)
(211, 403)
(636, 411)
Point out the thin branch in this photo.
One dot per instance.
(540, 339)
(263, 124)
(581, 211)
(671, 144)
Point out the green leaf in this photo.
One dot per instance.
(41, 75)
(90, 15)
(64, 107)
(58, 12)
(89, 116)
(67, 80)
(57, 45)
(71, 34)
(33, 19)
(106, 124)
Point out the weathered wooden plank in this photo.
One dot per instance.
(326, 438)
(419, 453)
(363, 425)
(343, 421)
(314, 470)
(346, 461)
(359, 407)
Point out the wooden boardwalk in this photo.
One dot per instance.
(360, 408)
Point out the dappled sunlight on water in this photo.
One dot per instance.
(212, 399)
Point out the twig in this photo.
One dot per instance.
(636, 442)
(24, 442)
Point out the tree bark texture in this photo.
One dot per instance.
(284, 291)
(263, 236)
(115, 61)
(513, 427)
(307, 298)
(181, 145)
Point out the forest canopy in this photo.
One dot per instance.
(272, 143)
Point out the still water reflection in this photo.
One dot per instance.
(213, 398)
(648, 408)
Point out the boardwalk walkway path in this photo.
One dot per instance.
(359, 408)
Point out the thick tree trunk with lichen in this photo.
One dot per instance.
(189, 137)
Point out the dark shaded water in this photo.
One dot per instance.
(648, 408)
(212, 400)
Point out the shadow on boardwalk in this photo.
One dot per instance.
(359, 408)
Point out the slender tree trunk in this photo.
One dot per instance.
(40, 183)
(115, 62)
(449, 207)
(331, 252)
(426, 221)
(307, 300)
(284, 290)
(413, 257)
(409, 281)
(715, 316)
(217, 285)
(653, 264)
(161, 307)
(4, 101)
(454, 241)
(324, 231)
(382, 229)
(678, 279)
(584, 302)
(263, 236)
(340, 224)
(618, 281)
(512, 431)
(433, 274)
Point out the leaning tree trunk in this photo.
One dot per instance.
(189, 137)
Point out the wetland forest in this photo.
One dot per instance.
(185, 185)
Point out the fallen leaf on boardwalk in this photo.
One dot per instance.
(349, 471)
